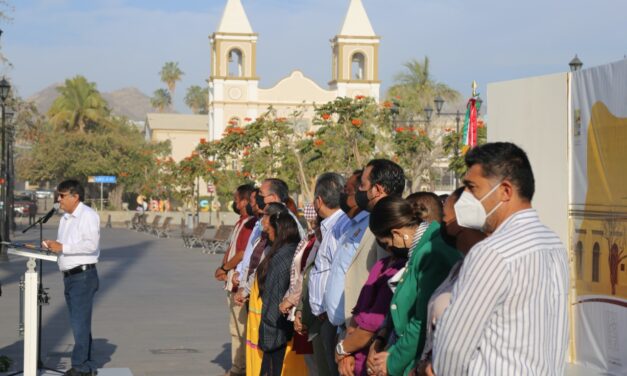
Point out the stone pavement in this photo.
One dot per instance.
(158, 312)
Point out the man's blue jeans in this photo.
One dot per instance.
(79, 296)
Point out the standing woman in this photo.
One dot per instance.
(273, 279)
(395, 224)
(254, 355)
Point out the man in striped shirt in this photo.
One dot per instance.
(508, 310)
(327, 192)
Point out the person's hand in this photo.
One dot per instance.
(52, 246)
(299, 327)
(371, 354)
(346, 366)
(239, 298)
(220, 274)
(380, 363)
(235, 279)
(285, 307)
(429, 370)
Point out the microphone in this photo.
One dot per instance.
(48, 215)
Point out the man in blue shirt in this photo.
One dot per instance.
(329, 186)
(349, 241)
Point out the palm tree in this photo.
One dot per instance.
(170, 74)
(78, 105)
(197, 99)
(417, 88)
(161, 99)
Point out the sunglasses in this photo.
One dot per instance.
(63, 195)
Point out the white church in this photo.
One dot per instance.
(234, 92)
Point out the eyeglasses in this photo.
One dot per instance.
(63, 195)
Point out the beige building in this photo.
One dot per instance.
(234, 92)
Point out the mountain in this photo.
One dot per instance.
(129, 102)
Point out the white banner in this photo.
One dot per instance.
(598, 215)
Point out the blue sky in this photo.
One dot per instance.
(122, 43)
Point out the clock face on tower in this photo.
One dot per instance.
(235, 93)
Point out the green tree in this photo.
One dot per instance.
(416, 88)
(456, 161)
(79, 106)
(161, 100)
(417, 145)
(197, 99)
(118, 149)
(342, 138)
(170, 75)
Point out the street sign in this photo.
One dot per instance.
(211, 188)
(105, 179)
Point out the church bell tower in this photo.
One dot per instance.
(356, 55)
(233, 80)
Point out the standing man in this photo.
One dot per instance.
(78, 247)
(327, 192)
(380, 178)
(509, 307)
(348, 243)
(234, 253)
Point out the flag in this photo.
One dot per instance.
(469, 134)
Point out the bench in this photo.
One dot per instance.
(153, 225)
(220, 240)
(194, 239)
(164, 229)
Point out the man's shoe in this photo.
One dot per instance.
(75, 372)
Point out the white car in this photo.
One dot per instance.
(44, 193)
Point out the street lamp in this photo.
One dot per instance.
(395, 111)
(5, 88)
(9, 179)
(575, 64)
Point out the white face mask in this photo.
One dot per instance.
(470, 212)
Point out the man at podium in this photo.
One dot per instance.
(78, 247)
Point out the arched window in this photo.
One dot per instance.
(596, 258)
(236, 63)
(358, 66)
(579, 259)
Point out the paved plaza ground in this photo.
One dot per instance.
(158, 312)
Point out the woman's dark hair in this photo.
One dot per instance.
(286, 232)
(427, 205)
(392, 212)
(273, 208)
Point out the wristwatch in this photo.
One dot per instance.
(339, 349)
(224, 270)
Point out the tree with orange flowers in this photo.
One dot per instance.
(350, 132)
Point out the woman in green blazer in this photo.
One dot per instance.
(395, 225)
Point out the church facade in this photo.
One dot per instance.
(234, 93)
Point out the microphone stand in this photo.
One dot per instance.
(43, 297)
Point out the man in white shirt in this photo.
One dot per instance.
(509, 307)
(78, 247)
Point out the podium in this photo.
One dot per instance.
(31, 312)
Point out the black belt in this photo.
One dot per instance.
(78, 269)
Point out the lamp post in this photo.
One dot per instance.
(5, 88)
(439, 104)
(9, 179)
(395, 111)
(575, 64)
